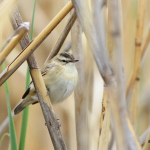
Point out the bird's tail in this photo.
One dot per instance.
(19, 108)
(24, 103)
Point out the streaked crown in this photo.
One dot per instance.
(66, 58)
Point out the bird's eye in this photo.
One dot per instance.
(64, 61)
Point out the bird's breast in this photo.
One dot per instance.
(61, 85)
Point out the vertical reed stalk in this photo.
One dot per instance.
(81, 103)
(135, 79)
(146, 41)
(104, 124)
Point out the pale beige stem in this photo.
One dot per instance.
(115, 52)
(5, 7)
(135, 79)
(104, 129)
(62, 37)
(103, 140)
(145, 43)
(94, 34)
(67, 47)
(13, 41)
(38, 79)
(130, 140)
(81, 103)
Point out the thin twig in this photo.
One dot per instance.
(13, 40)
(62, 37)
(30, 48)
(145, 44)
(135, 79)
(50, 118)
(138, 40)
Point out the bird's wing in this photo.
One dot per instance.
(44, 71)
(47, 68)
(27, 91)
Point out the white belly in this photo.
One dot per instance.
(61, 90)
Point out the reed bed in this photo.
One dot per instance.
(109, 109)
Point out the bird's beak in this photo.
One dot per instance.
(75, 60)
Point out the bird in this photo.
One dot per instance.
(60, 77)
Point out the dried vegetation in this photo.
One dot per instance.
(110, 107)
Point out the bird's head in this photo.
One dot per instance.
(66, 58)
